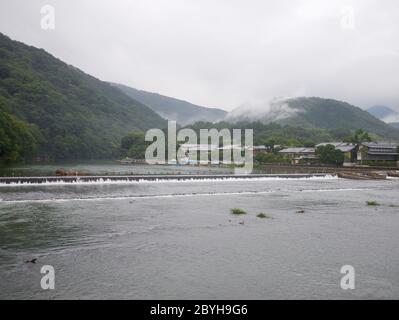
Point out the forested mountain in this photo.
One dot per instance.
(273, 133)
(316, 112)
(173, 109)
(54, 110)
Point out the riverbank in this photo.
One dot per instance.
(111, 171)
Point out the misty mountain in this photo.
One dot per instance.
(51, 109)
(394, 124)
(384, 113)
(314, 112)
(174, 109)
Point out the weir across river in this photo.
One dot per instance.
(27, 180)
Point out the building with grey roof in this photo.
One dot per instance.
(378, 151)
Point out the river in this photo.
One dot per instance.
(178, 239)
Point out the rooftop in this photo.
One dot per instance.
(343, 146)
(198, 147)
(380, 145)
(298, 150)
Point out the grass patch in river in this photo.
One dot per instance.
(263, 216)
(237, 211)
(372, 203)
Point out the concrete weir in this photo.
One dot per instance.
(17, 180)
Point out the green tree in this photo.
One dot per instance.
(270, 158)
(358, 137)
(329, 155)
(134, 145)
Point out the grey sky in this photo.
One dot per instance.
(224, 53)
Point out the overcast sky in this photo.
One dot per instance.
(224, 53)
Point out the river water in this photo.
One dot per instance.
(108, 168)
(178, 239)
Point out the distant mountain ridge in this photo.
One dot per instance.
(51, 109)
(315, 112)
(173, 109)
(384, 113)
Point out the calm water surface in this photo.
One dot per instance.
(107, 168)
(166, 240)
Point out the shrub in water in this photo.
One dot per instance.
(237, 211)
